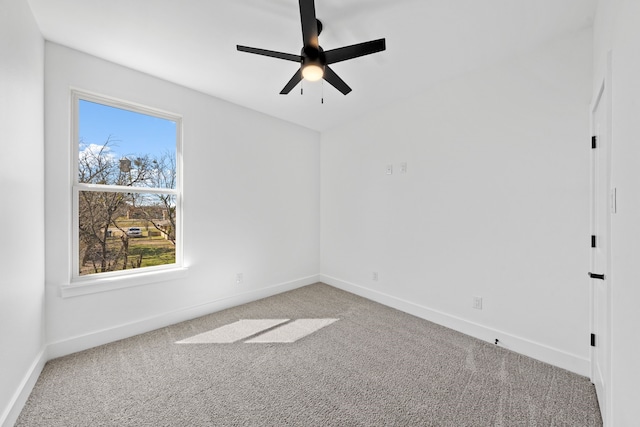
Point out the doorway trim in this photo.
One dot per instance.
(602, 99)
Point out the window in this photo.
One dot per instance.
(126, 189)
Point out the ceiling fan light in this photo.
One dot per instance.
(312, 72)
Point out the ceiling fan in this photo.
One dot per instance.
(314, 61)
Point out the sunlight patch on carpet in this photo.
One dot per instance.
(233, 332)
(292, 332)
(260, 331)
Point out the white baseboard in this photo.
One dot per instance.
(93, 339)
(535, 350)
(13, 409)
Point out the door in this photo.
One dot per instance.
(602, 202)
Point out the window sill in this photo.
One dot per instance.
(84, 286)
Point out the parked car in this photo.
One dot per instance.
(134, 232)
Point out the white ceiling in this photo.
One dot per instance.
(193, 43)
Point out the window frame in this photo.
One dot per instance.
(129, 277)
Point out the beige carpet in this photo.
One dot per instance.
(357, 364)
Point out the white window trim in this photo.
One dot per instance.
(101, 282)
(109, 281)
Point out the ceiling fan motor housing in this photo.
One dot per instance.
(313, 56)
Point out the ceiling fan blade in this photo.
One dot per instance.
(309, 23)
(292, 83)
(271, 53)
(354, 51)
(335, 81)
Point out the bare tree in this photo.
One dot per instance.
(163, 175)
(98, 210)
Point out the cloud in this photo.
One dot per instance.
(91, 152)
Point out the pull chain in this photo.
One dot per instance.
(302, 87)
(322, 96)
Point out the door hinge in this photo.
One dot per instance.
(593, 241)
(594, 141)
(593, 340)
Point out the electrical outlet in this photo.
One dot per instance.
(389, 169)
(374, 276)
(239, 279)
(403, 167)
(477, 303)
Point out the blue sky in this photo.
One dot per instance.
(131, 133)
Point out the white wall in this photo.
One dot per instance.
(251, 205)
(494, 203)
(22, 213)
(617, 29)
